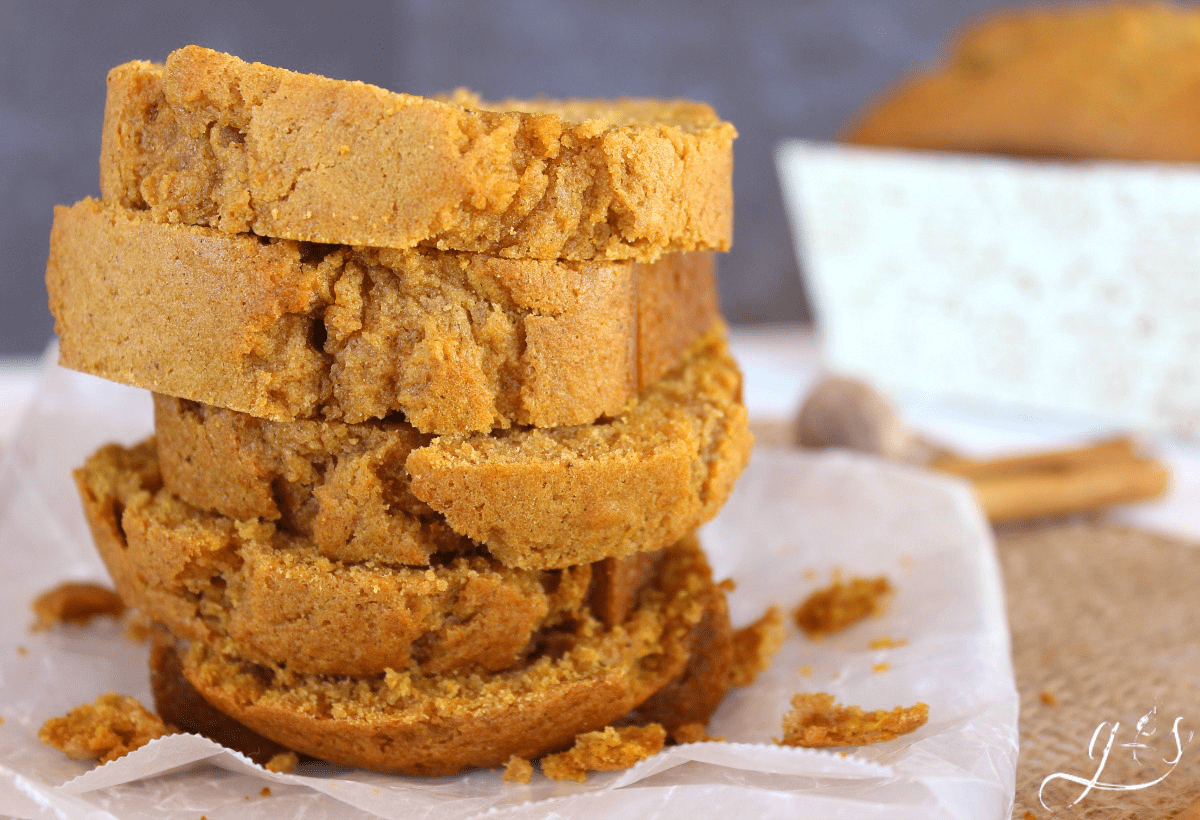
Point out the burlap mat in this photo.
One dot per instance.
(1105, 627)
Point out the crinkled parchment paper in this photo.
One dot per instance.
(792, 520)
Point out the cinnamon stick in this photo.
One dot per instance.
(1061, 482)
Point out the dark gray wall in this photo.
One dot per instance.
(774, 68)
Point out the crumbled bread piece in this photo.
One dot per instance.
(880, 668)
(692, 733)
(755, 645)
(806, 671)
(815, 721)
(283, 763)
(76, 603)
(887, 643)
(139, 628)
(518, 770)
(22, 650)
(607, 750)
(1049, 698)
(113, 726)
(841, 604)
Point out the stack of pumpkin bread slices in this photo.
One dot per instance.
(441, 395)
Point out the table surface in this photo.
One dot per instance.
(781, 362)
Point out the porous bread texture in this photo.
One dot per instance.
(692, 697)
(414, 723)
(1107, 81)
(211, 140)
(272, 598)
(553, 498)
(341, 486)
(111, 727)
(457, 342)
(178, 703)
(534, 498)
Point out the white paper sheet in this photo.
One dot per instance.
(790, 522)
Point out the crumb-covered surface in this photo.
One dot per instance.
(457, 342)
(604, 751)
(816, 721)
(111, 727)
(75, 602)
(842, 604)
(209, 139)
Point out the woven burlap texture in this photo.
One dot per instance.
(1105, 628)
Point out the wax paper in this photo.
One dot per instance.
(792, 520)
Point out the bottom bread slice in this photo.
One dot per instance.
(415, 723)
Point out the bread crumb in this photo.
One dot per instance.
(606, 750)
(283, 763)
(266, 791)
(816, 721)
(755, 645)
(806, 671)
(22, 650)
(841, 604)
(139, 628)
(75, 603)
(880, 668)
(887, 643)
(1029, 816)
(518, 770)
(693, 733)
(113, 726)
(1049, 698)
(811, 574)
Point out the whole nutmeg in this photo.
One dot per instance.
(845, 412)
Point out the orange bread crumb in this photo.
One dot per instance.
(603, 751)
(887, 643)
(841, 604)
(816, 721)
(1048, 698)
(755, 645)
(283, 763)
(111, 727)
(76, 603)
(518, 770)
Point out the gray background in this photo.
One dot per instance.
(775, 69)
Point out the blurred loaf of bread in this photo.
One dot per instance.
(1099, 81)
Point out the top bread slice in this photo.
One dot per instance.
(1110, 81)
(208, 139)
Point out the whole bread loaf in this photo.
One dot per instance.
(211, 140)
(1111, 81)
(284, 330)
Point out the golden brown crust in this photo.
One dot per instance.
(178, 703)
(535, 498)
(842, 604)
(272, 598)
(553, 498)
(755, 645)
(1110, 81)
(209, 139)
(422, 724)
(283, 330)
(692, 697)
